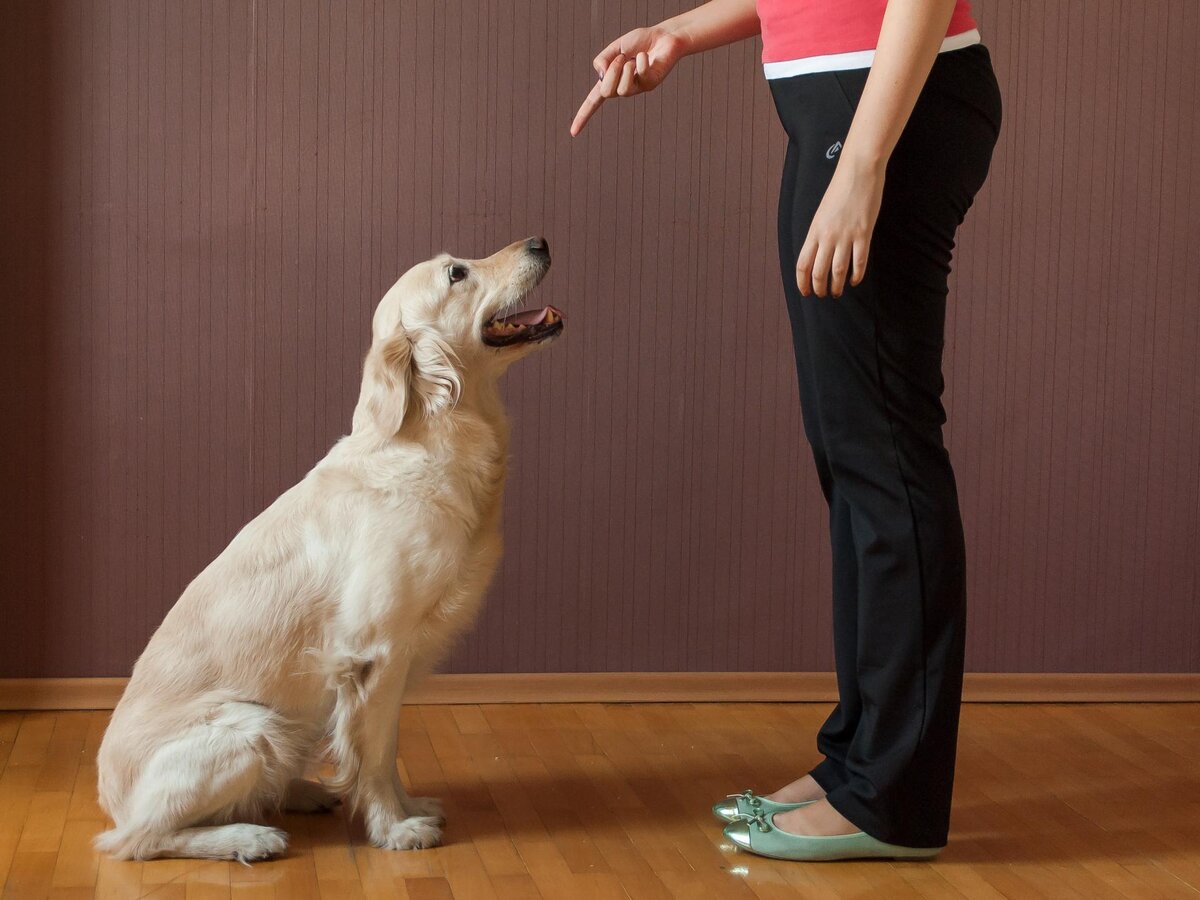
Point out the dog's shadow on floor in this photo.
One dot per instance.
(535, 806)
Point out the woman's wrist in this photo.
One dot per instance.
(680, 32)
(863, 160)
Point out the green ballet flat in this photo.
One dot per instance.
(759, 834)
(749, 803)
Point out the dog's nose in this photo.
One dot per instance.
(538, 246)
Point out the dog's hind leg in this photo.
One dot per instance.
(238, 760)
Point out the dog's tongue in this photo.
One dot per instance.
(530, 316)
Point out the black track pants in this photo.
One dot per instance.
(870, 368)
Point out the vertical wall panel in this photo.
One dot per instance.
(201, 202)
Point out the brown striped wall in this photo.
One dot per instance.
(201, 201)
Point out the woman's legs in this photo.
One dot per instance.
(878, 380)
(869, 365)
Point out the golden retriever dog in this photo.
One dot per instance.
(299, 639)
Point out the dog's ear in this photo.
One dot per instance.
(436, 384)
(412, 373)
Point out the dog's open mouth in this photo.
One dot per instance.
(526, 327)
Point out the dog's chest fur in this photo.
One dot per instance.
(437, 533)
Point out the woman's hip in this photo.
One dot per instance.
(943, 153)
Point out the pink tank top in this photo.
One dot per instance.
(824, 35)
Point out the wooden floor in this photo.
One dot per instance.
(581, 801)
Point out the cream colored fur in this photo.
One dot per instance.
(302, 635)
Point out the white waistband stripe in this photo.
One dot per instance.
(859, 59)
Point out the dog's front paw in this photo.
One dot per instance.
(413, 833)
(425, 807)
(250, 843)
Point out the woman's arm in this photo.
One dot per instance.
(639, 61)
(839, 239)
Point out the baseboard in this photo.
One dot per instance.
(685, 687)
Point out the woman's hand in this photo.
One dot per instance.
(632, 64)
(839, 238)
(639, 61)
(840, 235)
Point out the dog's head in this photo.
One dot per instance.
(447, 321)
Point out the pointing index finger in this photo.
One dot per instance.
(591, 103)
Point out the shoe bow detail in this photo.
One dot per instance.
(758, 819)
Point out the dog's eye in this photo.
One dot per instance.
(457, 274)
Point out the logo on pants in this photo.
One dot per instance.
(833, 151)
